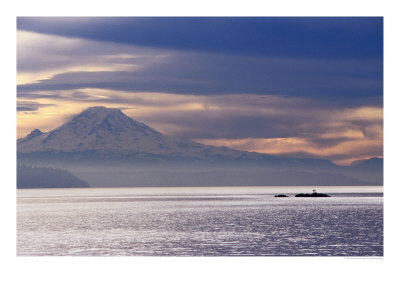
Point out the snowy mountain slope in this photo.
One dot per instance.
(108, 134)
(110, 131)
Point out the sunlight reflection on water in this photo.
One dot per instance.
(201, 222)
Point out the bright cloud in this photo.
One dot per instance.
(42, 56)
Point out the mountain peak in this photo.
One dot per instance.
(34, 133)
(95, 129)
(373, 163)
(99, 109)
(99, 119)
(100, 112)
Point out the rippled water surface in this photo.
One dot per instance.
(229, 221)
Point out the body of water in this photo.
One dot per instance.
(214, 221)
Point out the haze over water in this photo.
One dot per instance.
(217, 221)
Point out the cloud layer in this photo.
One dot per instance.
(288, 86)
(330, 38)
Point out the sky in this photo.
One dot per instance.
(295, 87)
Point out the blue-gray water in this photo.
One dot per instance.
(229, 221)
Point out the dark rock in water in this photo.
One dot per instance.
(312, 195)
(281, 196)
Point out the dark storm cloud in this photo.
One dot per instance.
(337, 60)
(26, 108)
(343, 38)
(359, 81)
(30, 105)
(30, 95)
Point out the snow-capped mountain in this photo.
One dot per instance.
(108, 130)
(103, 145)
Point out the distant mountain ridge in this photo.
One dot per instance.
(371, 163)
(101, 141)
(29, 177)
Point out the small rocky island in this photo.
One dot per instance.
(314, 194)
(281, 195)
